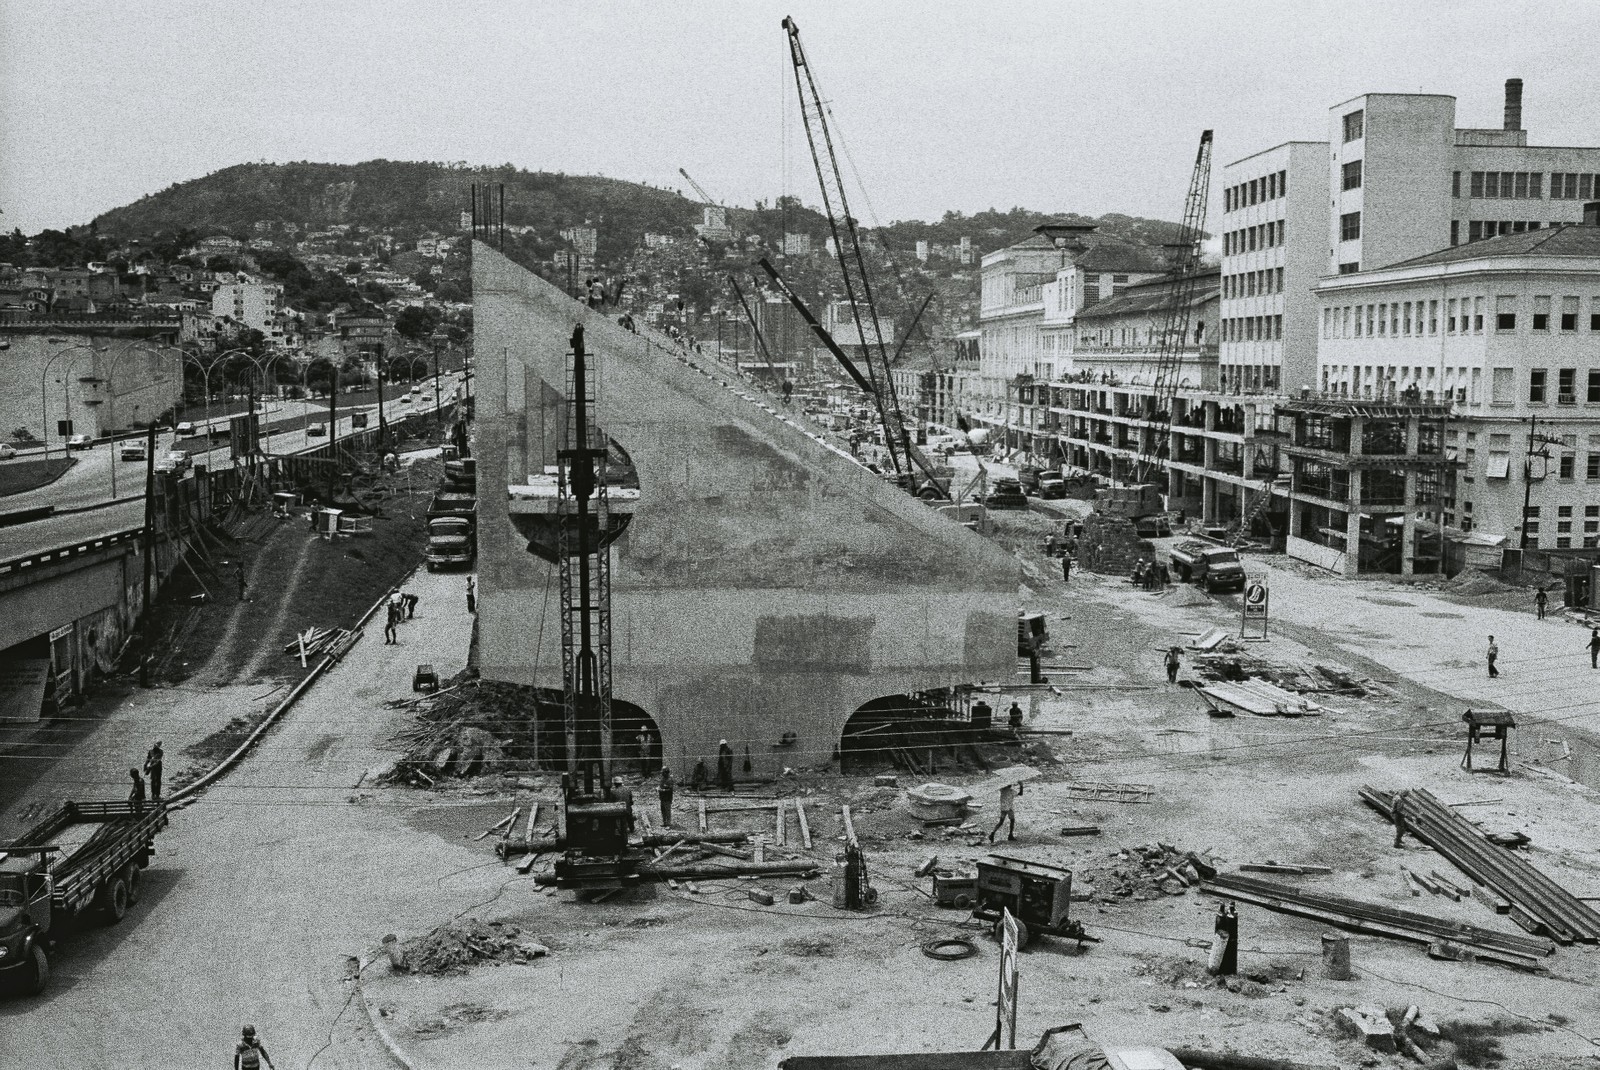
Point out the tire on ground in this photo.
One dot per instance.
(38, 978)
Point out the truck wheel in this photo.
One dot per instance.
(1022, 932)
(1186, 572)
(962, 901)
(116, 900)
(39, 972)
(133, 879)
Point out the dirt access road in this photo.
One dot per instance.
(261, 890)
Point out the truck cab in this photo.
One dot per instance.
(450, 543)
(1213, 567)
(25, 916)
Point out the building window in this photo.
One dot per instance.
(1591, 472)
(1455, 232)
(1355, 126)
(1477, 315)
(1505, 313)
(1541, 313)
(1536, 384)
(1455, 186)
(1351, 268)
(1569, 313)
(1352, 175)
(1280, 231)
(1433, 317)
(1350, 226)
(1593, 396)
(1567, 386)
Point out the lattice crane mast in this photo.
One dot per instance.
(852, 263)
(705, 198)
(1175, 329)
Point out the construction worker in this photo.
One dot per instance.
(409, 602)
(1008, 811)
(152, 769)
(1173, 664)
(1540, 601)
(1493, 654)
(238, 574)
(1400, 814)
(1594, 649)
(1014, 717)
(664, 793)
(391, 635)
(1066, 568)
(249, 1052)
(642, 742)
(725, 766)
(621, 794)
(472, 594)
(136, 793)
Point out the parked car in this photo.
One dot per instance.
(405, 399)
(175, 461)
(185, 429)
(317, 431)
(7, 452)
(1005, 494)
(80, 442)
(132, 450)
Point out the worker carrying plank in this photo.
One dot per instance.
(1008, 811)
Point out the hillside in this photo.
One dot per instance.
(406, 199)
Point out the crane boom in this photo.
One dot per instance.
(852, 262)
(1175, 329)
(705, 198)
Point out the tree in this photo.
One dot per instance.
(353, 268)
(417, 324)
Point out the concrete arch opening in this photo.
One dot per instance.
(919, 733)
(547, 744)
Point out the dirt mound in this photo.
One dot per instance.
(472, 727)
(457, 946)
(1182, 596)
(1475, 584)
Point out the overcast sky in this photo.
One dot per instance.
(1089, 107)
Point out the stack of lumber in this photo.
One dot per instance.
(1509, 949)
(1538, 903)
(320, 641)
(1261, 698)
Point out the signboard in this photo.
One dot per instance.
(1253, 610)
(358, 420)
(1005, 1008)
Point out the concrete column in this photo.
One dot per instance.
(1408, 529)
(1352, 526)
(1174, 485)
(1294, 516)
(1208, 499)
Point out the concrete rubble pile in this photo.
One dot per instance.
(469, 728)
(1145, 872)
(456, 946)
(1111, 545)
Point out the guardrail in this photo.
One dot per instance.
(77, 549)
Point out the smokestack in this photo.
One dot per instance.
(1513, 104)
(1591, 214)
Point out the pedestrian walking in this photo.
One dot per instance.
(136, 793)
(1594, 649)
(664, 793)
(249, 1052)
(238, 574)
(472, 594)
(391, 635)
(1493, 653)
(409, 602)
(1008, 811)
(1540, 601)
(1173, 663)
(1066, 568)
(725, 766)
(152, 770)
(1400, 814)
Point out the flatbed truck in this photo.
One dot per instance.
(86, 857)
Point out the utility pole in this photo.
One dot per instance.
(333, 432)
(1527, 481)
(149, 547)
(383, 424)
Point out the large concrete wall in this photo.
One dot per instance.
(125, 377)
(766, 584)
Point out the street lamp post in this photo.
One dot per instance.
(111, 399)
(44, 375)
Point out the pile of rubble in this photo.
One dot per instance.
(456, 946)
(1111, 545)
(1144, 873)
(470, 727)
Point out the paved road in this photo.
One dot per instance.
(260, 891)
(91, 480)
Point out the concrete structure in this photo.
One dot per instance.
(1507, 330)
(1274, 207)
(766, 583)
(99, 376)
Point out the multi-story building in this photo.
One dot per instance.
(256, 305)
(1508, 331)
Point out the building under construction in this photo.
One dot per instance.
(764, 586)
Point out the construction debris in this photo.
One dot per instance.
(1146, 872)
(1263, 699)
(1521, 951)
(471, 727)
(456, 946)
(314, 642)
(1095, 791)
(1536, 901)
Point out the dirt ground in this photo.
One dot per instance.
(659, 978)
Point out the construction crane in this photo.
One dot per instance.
(705, 198)
(755, 327)
(852, 262)
(1175, 331)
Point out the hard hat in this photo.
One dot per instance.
(617, 781)
(249, 1030)
(722, 742)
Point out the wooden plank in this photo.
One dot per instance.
(849, 826)
(533, 817)
(805, 829)
(702, 803)
(782, 815)
(527, 863)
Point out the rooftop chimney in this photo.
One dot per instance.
(1513, 104)
(1591, 214)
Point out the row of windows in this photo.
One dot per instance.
(1478, 229)
(1525, 185)
(1252, 329)
(1249, 239)
(1253, 283)
(1566, 385)
(1267, 188)
(1249, 377)
(1408, 319)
